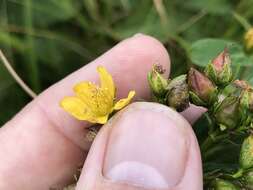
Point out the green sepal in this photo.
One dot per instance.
(210, 72)
(244, 105)
(196, 100)
(220, 184)
(228, 113)
(220, 79)
(248, 179)
(157, 83)
(246, 154)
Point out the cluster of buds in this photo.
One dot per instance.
(235, 108)
(229, 103)
(206, 89)
(204, 86)
(173, 93)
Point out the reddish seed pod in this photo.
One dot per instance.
(219, 69)
(203, 91)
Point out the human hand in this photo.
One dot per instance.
(146, 145)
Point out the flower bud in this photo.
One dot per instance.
(249, 39)
(219, 69)
(220, 184)
(246, 104)
(247, 100)
(202, 91)
(227, 113)
(241, 84)
(246, 154)
(178, 93)
(246, 95)
(248, 179)
(157, 82)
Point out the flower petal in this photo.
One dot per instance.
(97, 99)
(106, 81)
(85, 91)
(85, 87)
(123, 102)
(76, 107)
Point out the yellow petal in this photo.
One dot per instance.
(106, 81)
(76, 107)
(85, 90)
(123, 102)
(97, 99)
(84, 86)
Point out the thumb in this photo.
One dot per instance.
(193, 113)
(145, 146)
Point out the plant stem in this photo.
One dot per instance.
(210, 122)
(191, 21)
(16, 77)
(243, 21)
(238, 174)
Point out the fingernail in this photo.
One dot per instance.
(147, 147)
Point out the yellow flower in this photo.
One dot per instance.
(94, 103)
(249, 39)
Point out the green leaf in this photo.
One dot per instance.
(202, 51)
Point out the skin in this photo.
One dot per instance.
(43, 146)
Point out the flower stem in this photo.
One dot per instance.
(238, 174)
(241, 20)
(212, 139)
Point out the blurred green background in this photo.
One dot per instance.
(47, 39)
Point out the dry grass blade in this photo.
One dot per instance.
(13, 73)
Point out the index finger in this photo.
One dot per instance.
(43, 140)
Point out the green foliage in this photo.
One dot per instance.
(202, 51)
(46, 40)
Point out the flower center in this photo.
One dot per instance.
(101, 101)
